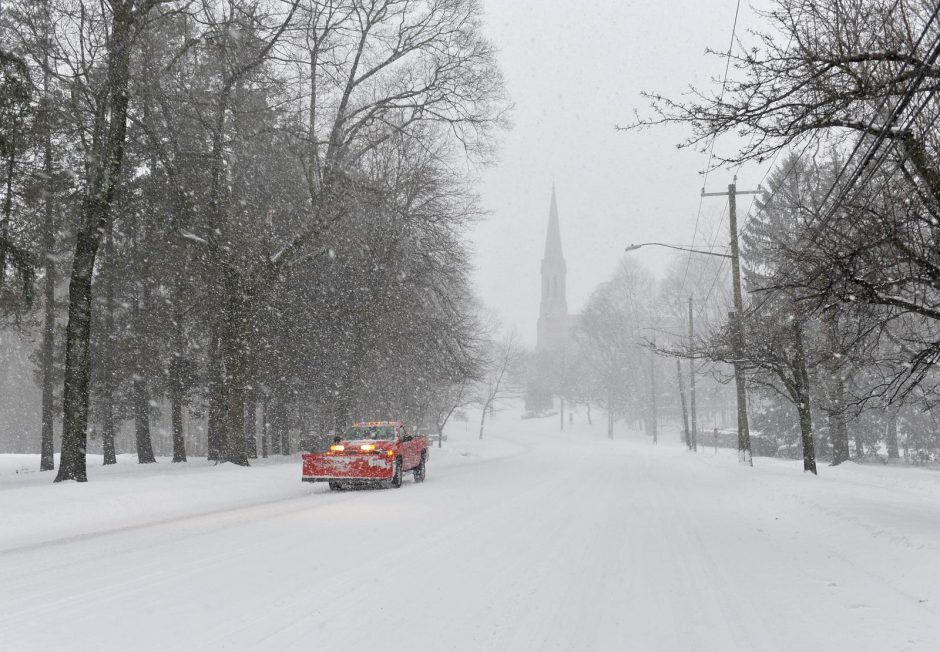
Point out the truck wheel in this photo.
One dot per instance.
(421, 469)
(396, 474)
(334, 486)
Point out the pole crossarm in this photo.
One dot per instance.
(724, 194)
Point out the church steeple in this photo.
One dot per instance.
(553, 309)
(553, 237)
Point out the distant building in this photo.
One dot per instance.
(555, 326)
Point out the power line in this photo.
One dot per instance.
(865, 168)
(711, 148)
(748, 216)
(869, 171)
(809, 141)
(883, 132)
(875, 114)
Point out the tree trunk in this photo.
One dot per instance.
(5, 217)
(141, 384)
(217, 387)
(142, 419)
(235, 364)
(284, 417)
(443, 423)
(588, 406)
(285, 438)
(803, 400)
(104, 165)
(891, 436)
(561, 411)
(859, 444)
(917, 155)
(278, 421)
(47, 454)
(483, 417)
(251, 423)
(77, 335)
(806, 435)
(176, 406)
(838, 433)
(264, 426)
(176, 376)
(176, 385)
(107, 361)
(216, 392)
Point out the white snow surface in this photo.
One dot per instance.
(531, 539)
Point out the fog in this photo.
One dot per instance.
(408, 325)
(572, 79)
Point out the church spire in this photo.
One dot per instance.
(553, 237)
(553, 309)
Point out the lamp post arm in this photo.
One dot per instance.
(633, 247)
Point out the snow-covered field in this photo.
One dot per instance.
(529, 540)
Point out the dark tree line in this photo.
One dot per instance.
(236, 208)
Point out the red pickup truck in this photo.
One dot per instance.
(371, 452)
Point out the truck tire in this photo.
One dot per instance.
(396, 474)
(335, 486)
(421, 469)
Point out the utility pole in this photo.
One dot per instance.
(685, 415)
(694, 436)
(653, 393)
(736, 317)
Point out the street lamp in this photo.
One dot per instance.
(737, 331)
(634, 247)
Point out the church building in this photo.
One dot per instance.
(555, 326)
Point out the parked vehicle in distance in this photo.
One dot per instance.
(369, 453)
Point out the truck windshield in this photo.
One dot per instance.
(371, 432)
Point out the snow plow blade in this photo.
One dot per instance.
(347, 468)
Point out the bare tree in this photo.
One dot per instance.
(501, 360)
(113, 32)
(825, 69)
(858, 80)
(228, 266)
(612, 341)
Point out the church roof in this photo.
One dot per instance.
(553, 238)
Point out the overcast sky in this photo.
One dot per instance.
(574, 70)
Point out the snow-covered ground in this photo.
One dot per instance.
(529, 540)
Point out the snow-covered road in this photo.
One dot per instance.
(530, 540)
